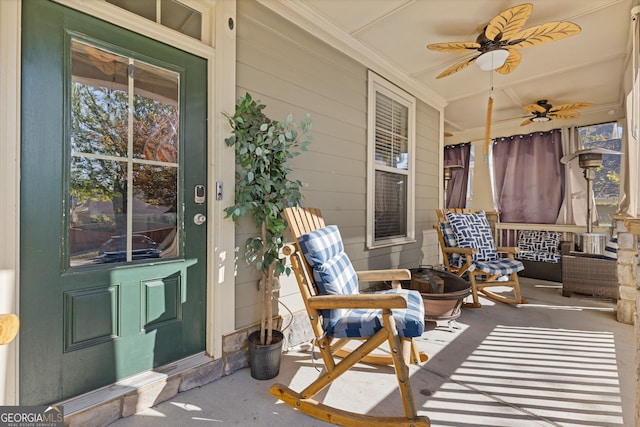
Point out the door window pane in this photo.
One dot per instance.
(124, 158)
(99, 101)
(155, 114)
(97, 211)
(154, 207)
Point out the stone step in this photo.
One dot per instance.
(102, 407)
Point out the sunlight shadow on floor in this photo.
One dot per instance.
(559, 376)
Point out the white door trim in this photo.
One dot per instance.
(10, 18)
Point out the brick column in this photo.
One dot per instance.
(633, 227)
(627, 280)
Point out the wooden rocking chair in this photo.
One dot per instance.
(468, 248)
(340, 314)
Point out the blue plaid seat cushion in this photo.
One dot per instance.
(362, 323)
(500, 266)
(334, 274)
(472, 230)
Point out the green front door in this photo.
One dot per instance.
(113, 168)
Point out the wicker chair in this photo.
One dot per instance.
(589, 274)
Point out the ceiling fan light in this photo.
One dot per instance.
(493, 59)
(540, 119)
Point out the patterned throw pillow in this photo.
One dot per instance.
(473, 231)
(539, 241)
(611, 248)
(332, 269)
(333, 273)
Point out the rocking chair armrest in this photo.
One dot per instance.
(459, 250)
(383, 275)
(329, 302)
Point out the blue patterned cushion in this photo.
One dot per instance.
(321, 245)
(332, 269)
(473, 231)
(539, 245)
(362, 322)
(611, 248)
(451, 242)
(539, 241)
(500, 266)
(539, 256)
(334, 275)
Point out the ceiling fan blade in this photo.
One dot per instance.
(513, 60)
(526, 122)
(543, 33)
(453, 46)
(564, 115)
(572, 106)
(534, 108)
(457, 67)
(508, 22)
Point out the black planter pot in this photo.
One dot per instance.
(264, 360)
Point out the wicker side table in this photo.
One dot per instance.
(589, 274)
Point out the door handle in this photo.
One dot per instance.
(199, 219)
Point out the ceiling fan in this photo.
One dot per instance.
(543, 111)
(499, 41)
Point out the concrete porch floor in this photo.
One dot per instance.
(553, 362)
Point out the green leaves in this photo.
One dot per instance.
(263, 189)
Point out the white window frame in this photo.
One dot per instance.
(377, 84)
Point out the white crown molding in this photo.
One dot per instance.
(303, 16)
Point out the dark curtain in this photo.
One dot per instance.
(528, 177)
(457, 189)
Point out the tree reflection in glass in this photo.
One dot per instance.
(124, 158)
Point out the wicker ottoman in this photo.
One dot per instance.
(589, 274)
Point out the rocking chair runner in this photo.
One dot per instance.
(339, 314)
(468, 248)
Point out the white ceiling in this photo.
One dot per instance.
(587, 67)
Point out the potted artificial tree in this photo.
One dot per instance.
(263, 148)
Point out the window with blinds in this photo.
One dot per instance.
(391, 147)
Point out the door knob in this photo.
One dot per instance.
(199, 219)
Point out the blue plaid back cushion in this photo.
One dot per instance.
(332, 270)
(450, 240)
